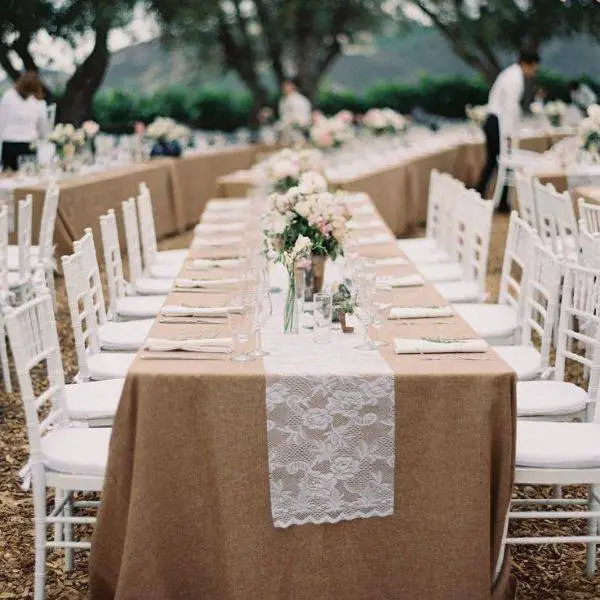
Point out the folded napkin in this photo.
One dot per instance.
(178, 310)
(370, 224)
(421, 312)
(214, 346)
(372, 240)
(438, 345)
(226, 205)
(219, 227)
(216, 242)
(398, 282)
(206, 283)
(393, 261)
(354, 199)
(205, 263)
(229, 216)
(362, 209)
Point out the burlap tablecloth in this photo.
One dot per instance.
(186, 511)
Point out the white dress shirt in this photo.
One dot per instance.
(505, 100)
(21, 120)
(295, 109)
(583, 96)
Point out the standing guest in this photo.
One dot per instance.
(23, 119)
(582, 95)
(504, 114)
(294, 108)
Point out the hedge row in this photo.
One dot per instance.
(224, 110)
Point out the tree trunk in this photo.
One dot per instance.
(75, 105)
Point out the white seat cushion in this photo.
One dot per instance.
(153, 287)
(139, 307)
(550, 398)
(490, 321)
(558, 445)
(165, 270)
(170, 256)
(127, 335)
(109, 365)
(77, 450)
(460, 291)
(524, 360)
(441, 272)
(94, 399)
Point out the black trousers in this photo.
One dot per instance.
(491, 129)
(11, 152)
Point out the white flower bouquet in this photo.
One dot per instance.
(165, 130)
(91, 129)
(476, 114)
(555, 111)
(332, 133)
(589, 132)
(384, 121)
(284, 168)
(67, 140)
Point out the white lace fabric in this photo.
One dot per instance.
(330, 428)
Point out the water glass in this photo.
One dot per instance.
(263, 309)
(364, 308)
(322, 316)
(240, 319)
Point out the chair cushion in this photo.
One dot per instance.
(76, 450)
(94, 399)
(490, 321)
(109, 365)
(524, 360)
(558, 445)
(169, 256)
(153, 287)
(139, 307)
(445, 271)
(459, 291)
(165, 270)
(126, 335)
(539, 398)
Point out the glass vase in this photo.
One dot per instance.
(294, 302)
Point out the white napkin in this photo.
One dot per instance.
(219, 227)
(206, 283)
(214, 346)
(177, 310)
(355, 199)
(371, 224)
(393, 261)
(421, 312)
(221, 217)
(205, 263)
(226, 205)
(398, 282)
(438, 346)
(216, 242)
(362, 209)
(379, 238)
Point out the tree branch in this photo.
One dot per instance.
(272, 40)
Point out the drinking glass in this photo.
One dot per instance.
(364, 300)
(240, 319)
(322, 316)
(263, 309)
(381, 310)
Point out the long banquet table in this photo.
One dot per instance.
(186, 507)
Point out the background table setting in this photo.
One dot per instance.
(251, 458)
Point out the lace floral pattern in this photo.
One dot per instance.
(330, 436)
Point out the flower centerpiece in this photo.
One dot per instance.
(326, 134)
(476, 114)
(382, 121)
(284, 168)
(91, 130)
(294, 260)
(555, 111)
(68, 141)
(589, 133)
(308, 210)
(168, 136)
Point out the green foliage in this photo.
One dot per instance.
(218, 109)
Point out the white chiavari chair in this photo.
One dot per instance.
(558, 228)
(566, 453)
(64, 458)
(145, 286)
(540, 315)
(589, 243)
(94, 363)
(5, 297)
(499, 323)
(526, 199)
(116, 336)
(590, 214)
(165, 264)
(121, 305)
(474, 216)
(20, 281)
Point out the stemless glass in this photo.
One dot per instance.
(381, 310)
(322, 317)
(263, 309)
(364, 299)
(240, 319)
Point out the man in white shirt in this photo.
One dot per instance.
(582, 95)
(504, 115)
(294, 108)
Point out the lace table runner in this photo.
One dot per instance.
(330, 428)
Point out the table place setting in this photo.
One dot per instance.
(216, 242)
(389, 282)
(431, 345)
(202, 264)
(180, 310)
(189, 344)
(373, 240)
(206, 284)
(421, 312)
(203, 228)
